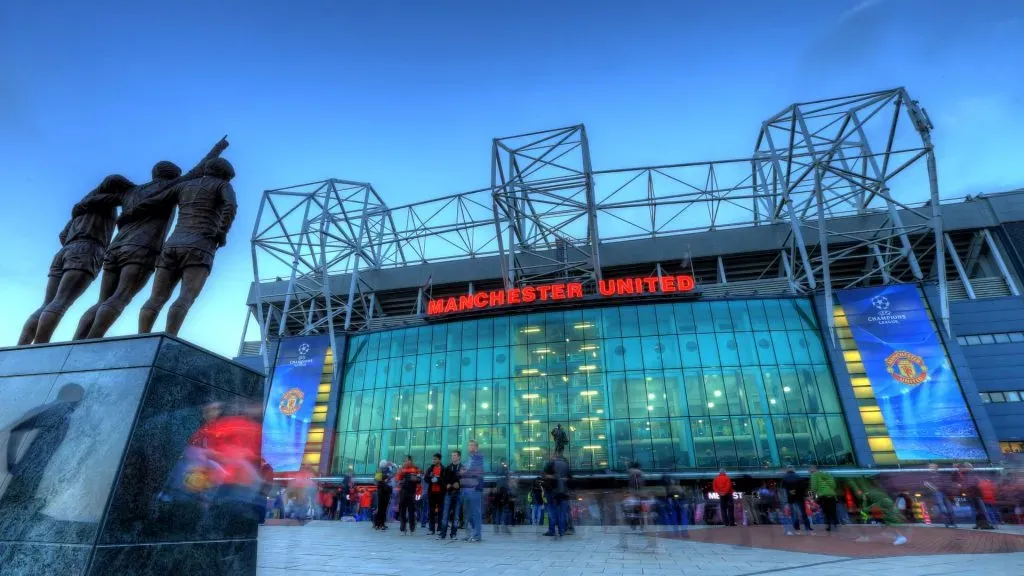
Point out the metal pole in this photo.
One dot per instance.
(595, 238)
(826, 276)
(245, 328)
(940, 252)
(959, 267)
(998, 257)
(291, 280)
(256, 287)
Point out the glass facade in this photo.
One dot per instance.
(743, 384)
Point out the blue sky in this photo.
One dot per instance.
(407, 95)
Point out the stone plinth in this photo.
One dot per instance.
(91, 435)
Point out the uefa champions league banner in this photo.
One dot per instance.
(293, 390)
(919, 395)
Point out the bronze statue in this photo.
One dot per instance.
(132, 256)
(206, 210)
(83, 243)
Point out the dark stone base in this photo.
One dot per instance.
(97, 431)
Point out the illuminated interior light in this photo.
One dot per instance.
(588, 392)
(718, 393)
(531, 421)
(587, 368)
(588, 347)
(711, 404)
(529, 371)
(430, 406)
(543, 351)
(592, 447)
(650, 408)
(590, 419)
(583, 325)
(650, 396)
(530, 330)
(530, 396)
(787, 389)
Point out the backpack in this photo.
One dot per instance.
(378, 477)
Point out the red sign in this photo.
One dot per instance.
(558, 292)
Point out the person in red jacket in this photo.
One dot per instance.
(723, 486)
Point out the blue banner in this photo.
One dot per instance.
(919, 395)
(293, 391)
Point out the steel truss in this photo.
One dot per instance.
(817, 169)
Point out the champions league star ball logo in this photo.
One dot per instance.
(303, 349)
(906, 368)
(291, 401)
(881, 303)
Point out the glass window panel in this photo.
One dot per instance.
(725, 448)
(802, 436)
(501, 331)
(613, 355)
(502, 366)
(685, 322)
(792, 390)
(521, 361)
(648, 320)
(805, 311)
(758, 319)
(681, 443)
(536, 330)
(632, 354)
(814, 347)
(821, 441)
(695, 400)
(1001, 338)
(702, 317)
(629, 323)
(643, 453)
(746, 348)
(636, 391)
(574, 327)
(727, 349)
(484, 403)
(840, 440)
(764, 437)
(798, 346)
(753, 387)
(657, 399)
(484, 363)
(791, 315)
(689, 350)
(393, 368)
(408, 370)
(619, 400)
(783, 351)
(467, 404)
(423, 369)
(435, 405)
(652, 352)
(746, 444)
(665, 317)
(379, 409)
(454, 335)
(662, 450)
(773, 314)
(517, 327)
(405, 397)
(437, 370)
(554, 326)
(555, 361)
(773, 388)
(739, 315)
(468, 365)
(621, 444)
(732, 381)
(721, 316)
(827, 390)
(453, 365)
(592, 324)
(409, 339)
(703, 443)
(714, 390)
(366, 411)
(424, 336)
(708, 350)
(469, 332)
(452, 403)
(784, 440)
(668, 347)
(372, 345)
(361, 454)
(558, 399)
(485, 332)
(809, 389)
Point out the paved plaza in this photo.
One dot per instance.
(320, 548)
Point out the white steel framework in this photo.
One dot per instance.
(818, 169)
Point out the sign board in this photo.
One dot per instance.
(559, 292)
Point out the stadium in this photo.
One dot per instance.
(811, 303)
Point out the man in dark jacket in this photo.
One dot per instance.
(408, 481)
(795, 489)
(451, 481)
(556, 485)
(435, 493)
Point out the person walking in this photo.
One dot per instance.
(938, 487)
(722, 485)
(451, 480)
(383, 480)
(556, 477)
(537, 502)
(434, 493)
(472, 482)
(408, 481)
(795, 490)
(823, 485)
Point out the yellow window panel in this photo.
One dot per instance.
(870, 416)
(885, 459)
(851, 356)
(311, 458)
(863, 393)
(881, 444)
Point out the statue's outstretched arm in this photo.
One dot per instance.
(197, 170)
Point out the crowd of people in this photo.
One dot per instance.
(442, 498)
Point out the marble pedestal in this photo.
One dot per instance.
(90, 436)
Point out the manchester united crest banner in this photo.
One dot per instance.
(918, 393)
(293, 390)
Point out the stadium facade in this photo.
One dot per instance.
(813, 303)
